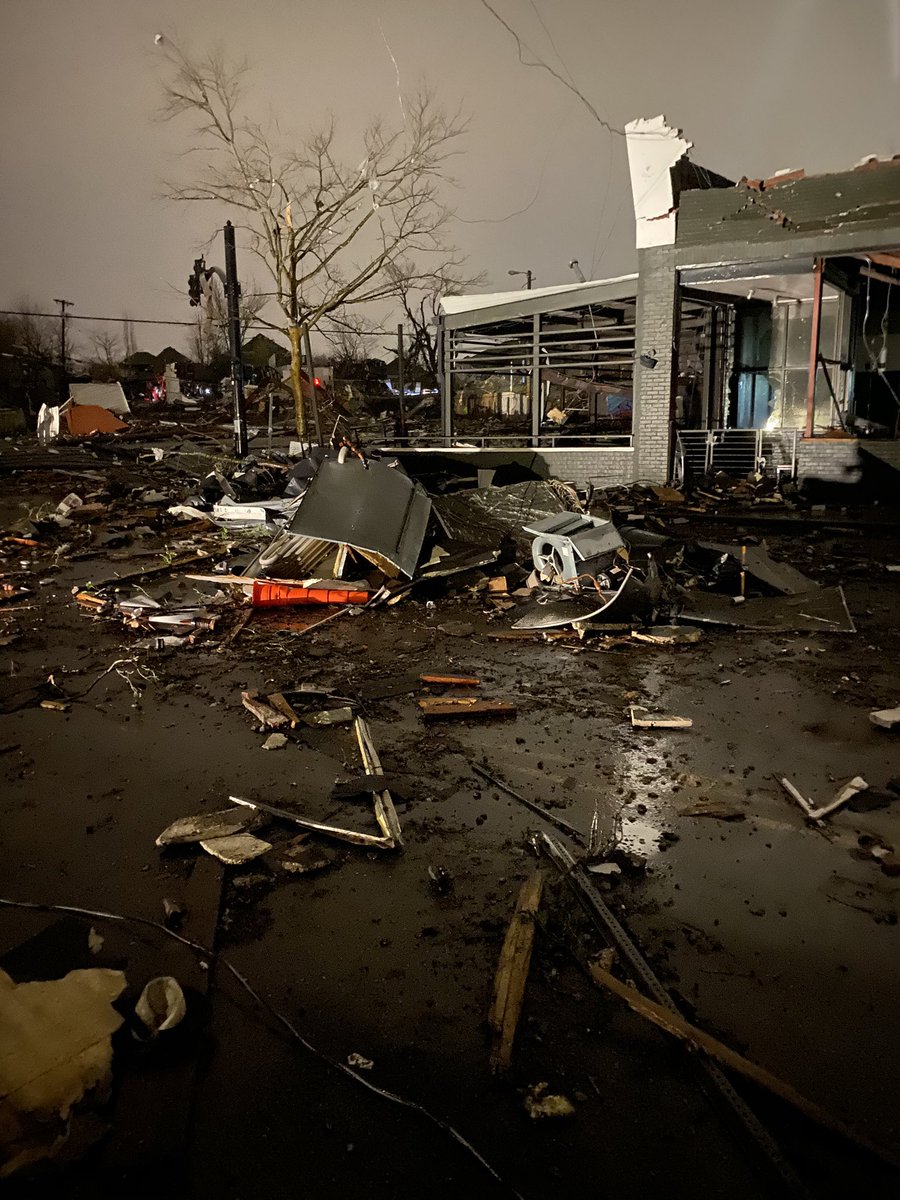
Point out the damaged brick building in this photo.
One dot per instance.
(761, 331)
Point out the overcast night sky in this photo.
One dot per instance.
(756, 86)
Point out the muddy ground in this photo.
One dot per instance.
(779, 937)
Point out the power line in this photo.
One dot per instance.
(521, 46)
(12, 312)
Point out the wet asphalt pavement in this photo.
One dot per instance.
(778, 937)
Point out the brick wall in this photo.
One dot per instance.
(834, 460)
(655, 336)
(602, 467)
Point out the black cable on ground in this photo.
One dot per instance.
(412, 1105)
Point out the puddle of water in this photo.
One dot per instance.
(639, 836)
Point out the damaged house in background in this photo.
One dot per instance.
(760, 333)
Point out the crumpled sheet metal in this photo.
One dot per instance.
(289, 556)
(629, 597)
(484, 516)
(821, 611)
(757, 562)
(372, 508)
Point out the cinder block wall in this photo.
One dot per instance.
(656, 309)
(608, 467)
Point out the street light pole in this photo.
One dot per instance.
(63, 346)
(528, 277)
(232, 291)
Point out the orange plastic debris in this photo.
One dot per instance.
(85, 419)
(279, 595)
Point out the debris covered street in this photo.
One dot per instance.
(776, 933)
(449, 591)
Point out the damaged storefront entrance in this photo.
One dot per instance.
(768, 354)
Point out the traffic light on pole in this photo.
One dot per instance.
(195, 282)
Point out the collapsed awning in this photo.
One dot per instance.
(372, 508)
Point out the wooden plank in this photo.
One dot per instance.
(512, 974)
(674, 1024)
(278, 702)
(452, 680)
(263, 711)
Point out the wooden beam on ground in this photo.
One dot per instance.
(451, 680)
(512, 973)
(674, 1024)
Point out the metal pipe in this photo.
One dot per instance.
(401, 380)
(818, 280)
(535, 375)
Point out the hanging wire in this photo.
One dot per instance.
(335, 1064)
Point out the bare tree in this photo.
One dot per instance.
(107, 348)
(34, 336)
(216, 306)
(330, 233)
(105, 361)
(206, 341)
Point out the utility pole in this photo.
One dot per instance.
(63, 347)
(401, 382)
(232, 292)
(314, 399)
(529, 276)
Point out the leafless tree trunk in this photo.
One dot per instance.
(330, 233)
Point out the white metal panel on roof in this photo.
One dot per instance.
(481, 300)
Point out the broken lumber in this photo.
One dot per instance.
(673, 1023)
(512, 973)
(279, 703)
(166, 568)
(856, 784)
(335, 831)
(451, 680)
(264, 712)
(385, 813)
(641, 718)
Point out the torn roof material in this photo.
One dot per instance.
(793, 205)
(654, 149)
(85, 419)
(370, 507)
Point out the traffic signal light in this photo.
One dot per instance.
(195, 284)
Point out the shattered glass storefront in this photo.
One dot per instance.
(746, 348)
(554, 364)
